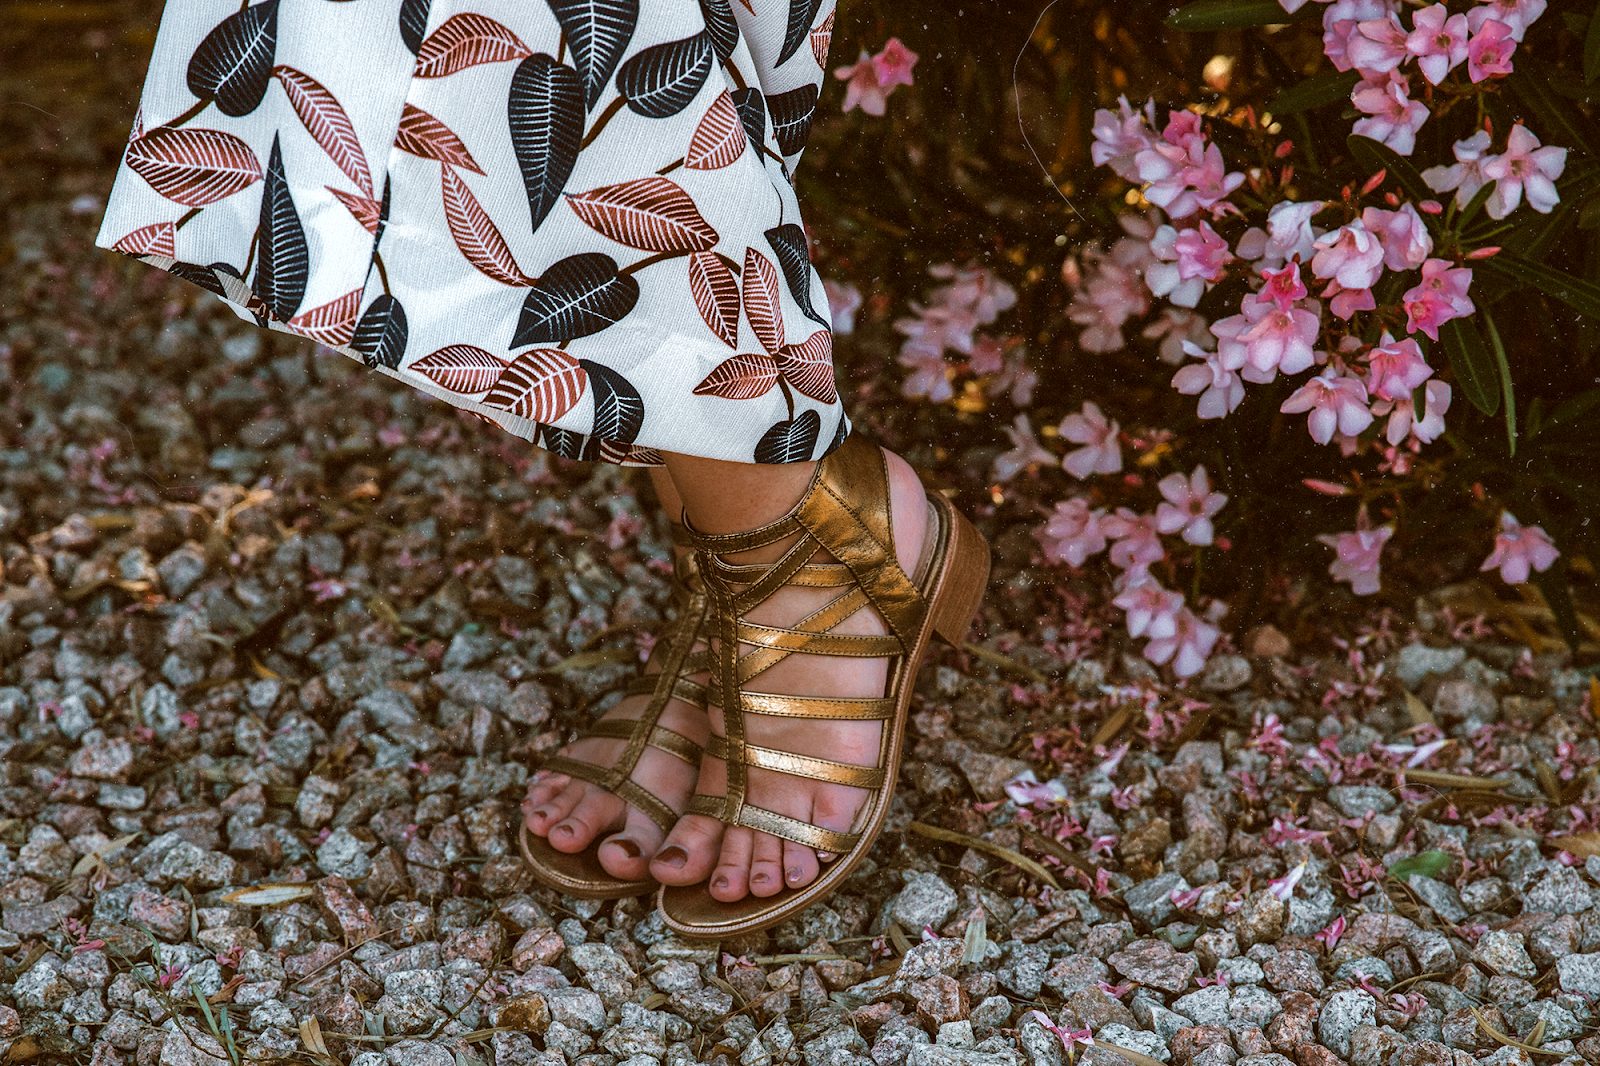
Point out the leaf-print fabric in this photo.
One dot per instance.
(571, 217)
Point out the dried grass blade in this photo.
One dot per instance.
(1506, 1041)
(1439, 779)
(1138, 1058)
(1112, 726)
(1420, 715)
(1006, 662)
(1015, 858)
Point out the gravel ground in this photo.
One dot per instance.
(267, 619)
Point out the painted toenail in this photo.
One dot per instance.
(629, 848)
(759, 879)
(795, 874)
(720, 882)
(673, 856)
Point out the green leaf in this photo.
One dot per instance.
(1559, 122)
(1428, 864)
(1331, 86)
(1591, 48)
(1472, 363)
(1582, 296)
(1553, 585)
(1573, 411)
(1505, 381)
(1374, 156)
(1203, 15)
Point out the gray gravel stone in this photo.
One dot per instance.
(1561, 890)
(1151, 901)
(345, 855)
(1354, 801)
(1580, 974)
(1505, 954)
(1414, 662)
(1024, 968)
(1339, 1017)
(925, 901)
(1444, 900)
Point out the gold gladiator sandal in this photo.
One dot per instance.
(581, 874)
(843, 515)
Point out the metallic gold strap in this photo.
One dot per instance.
(667, 740)
(771, 822)
(837, 708)
(682, 689)
(811, 575)
(787, 762)
(630, 792)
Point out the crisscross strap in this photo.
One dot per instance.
(671, 683)
(844, 519)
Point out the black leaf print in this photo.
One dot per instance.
(580, 295)
(791, 117)
(790, 442)
(383, 215)
(233, 65)
(283, 262)
(381, 333)
(802, 13)
(722, 26)
(838, 434)
(598, 32)
(414, 23)
(753, 113)
(618, 407)
(545, 111)
(789, 244)
(659, 82)
(199, 275)
(566, 443)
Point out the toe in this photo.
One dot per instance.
(690, 851)
(627, 854)
(554, 808)
(834, 807)
(730, 881)
(596, 813)
(799, 865)
(766, 866)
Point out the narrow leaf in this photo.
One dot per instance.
(1473, 365)
(327, 123)
(740, 377)
(762, 303)
(1319, 90)
(652, 214)
(1582, 296)
(598, 32)
(716, 295)
(333, 323)
(1505, 380)
(1206, 15)
(545, 114)
(283, 258)
(1428, 864)
(233, 64)
(423, 135)
(1375, 156)
(467, 40)
(1591, 47)
(194, 167)
(542, 385)
(476, 235)
(719, 140)
(1005, 854)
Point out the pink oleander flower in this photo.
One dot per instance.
(1283, 887)
(1330, 934)
(1439, 41)
(1340, 22)
(1404, 238)
(1152, 610)
(862, 88)
(930, 374)
(1395, 368)
(1072, 533)
(1403, 420)
(1121, 135)
(1174, 326)
(1014, 377)
(1378, 45)
(1025, 790)
(1358, 554)
(1489, 51)
(1136, 543)
(1025, 451)
(1101, 452)
(1188, 647)
(1289, 235)
(1165, 276)
(1201, 253)
(1275, 339)
(1466, 175)
(893, 65)
(1346, 302)
(1518, 15)
(1189, 506)
(1393, 117)
(1109, 294)
(937, 327)
(1439, 297)
(1184, 182)
(1218, 386)
(1283, 287)
(844, 300)
(1336, 401)
(1351, 255)
(977, 291)
(1524, 168)
(1519, 548)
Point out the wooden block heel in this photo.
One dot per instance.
(966, 578)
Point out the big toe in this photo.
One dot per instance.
(690, 851)
(596, 813)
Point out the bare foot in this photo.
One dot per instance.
(572, 813)
(740, 861)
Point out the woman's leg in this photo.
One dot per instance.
(723, 497)
(572, 814)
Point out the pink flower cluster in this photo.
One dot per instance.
(1524, 169)
(1075, 531)
(972, 297)
(871, 79)
(1371, 38)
